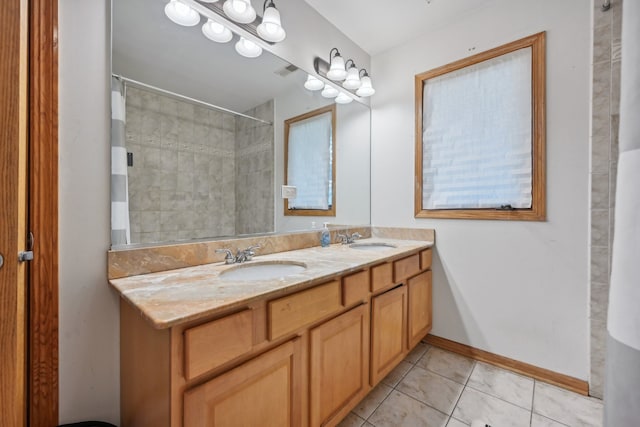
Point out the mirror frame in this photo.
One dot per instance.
(287, 123)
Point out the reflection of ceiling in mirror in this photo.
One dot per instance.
(149, 48)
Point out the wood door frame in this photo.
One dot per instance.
(42, 365)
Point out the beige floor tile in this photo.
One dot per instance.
(436, 391)
(400, 410)
(393, 378)
(417, 352)
(566, 407)
(369, 404)
(351, 420)
(540, 421)
(456, 423)
(475, 405)
(501, 383)
(447, 364)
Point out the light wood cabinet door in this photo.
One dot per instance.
(388, 332)
(339, 365)
(266, 392)
(420, 312)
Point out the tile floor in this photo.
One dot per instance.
(436, 388)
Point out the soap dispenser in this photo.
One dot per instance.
(325, 236)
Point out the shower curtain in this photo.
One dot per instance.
(120, 230)
(622, 378)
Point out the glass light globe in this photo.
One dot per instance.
(353, 79)
(329, 91)
(247, 48)
(366, 89)
(181, 13)
(343, 98)
(216, 32)
(336, 70)
(271, 28)
(313, 83)
(240, 11)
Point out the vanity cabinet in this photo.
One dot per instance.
(339, 365)
(299, 358)
(265, 391)
(388, 332)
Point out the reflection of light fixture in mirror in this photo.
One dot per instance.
(216, 32)
(209, 1)
(240, 11)
(329, 91)
(313, 83)
(366, 89)
(271, 28)
(343, 98)
(353, 77)
(336, 68)
(248, 48)
(181, 14)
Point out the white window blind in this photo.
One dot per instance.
(309, 162)
(477, 133)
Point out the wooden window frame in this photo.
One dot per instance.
(287, 123)
(537, 212)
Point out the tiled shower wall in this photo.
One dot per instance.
(254, 171)
(182, 184)
(604, 165)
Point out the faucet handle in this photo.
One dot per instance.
(229, 259)
(250, 252)
(356, 236)
(342, 238)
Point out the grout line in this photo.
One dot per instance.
(533, 397)
(500, 398)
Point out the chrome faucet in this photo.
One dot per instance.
(241, 255)
(346, 239)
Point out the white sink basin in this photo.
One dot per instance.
(372, 246)
(266, 270)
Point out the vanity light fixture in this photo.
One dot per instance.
(343, 98)
(336, 72)
(240, 11)
(216, 32)
(271, 27)
(248, 48)
(313, 83)
(366, 87)
(353, 77)
(181, 13)
(209, 1)
(329, 91)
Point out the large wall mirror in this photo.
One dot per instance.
(203, 132)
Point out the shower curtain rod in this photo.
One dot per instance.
(185, 98)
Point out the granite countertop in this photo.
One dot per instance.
(173, 297)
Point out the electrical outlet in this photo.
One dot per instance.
(289, 191)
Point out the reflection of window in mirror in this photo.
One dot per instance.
(310, 162)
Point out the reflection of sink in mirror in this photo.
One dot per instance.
(372, 246)
(263, 271)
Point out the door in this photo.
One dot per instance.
(419, 307)
(265, 391)
(388, 332)
(13, 212)
(339, 365)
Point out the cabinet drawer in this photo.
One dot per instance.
(355, 288)
(425, 259)
(381, 276)
(212, 344)
(406, 267)
(292, 312)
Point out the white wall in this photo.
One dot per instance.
(518, 289)
(89, 323)
(353, 153)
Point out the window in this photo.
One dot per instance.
(310, 162)
(480, 135)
